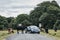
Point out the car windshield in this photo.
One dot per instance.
(33, 27)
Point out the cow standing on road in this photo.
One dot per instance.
(20, 27)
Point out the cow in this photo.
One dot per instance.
(21, 28)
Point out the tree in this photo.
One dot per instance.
(46, 12)
(34, 16)
(20, 18)
(57, 24)
(55, 3)
(26, 23)
(3, 22)
(10, 21)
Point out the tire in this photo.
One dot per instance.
(38, 32)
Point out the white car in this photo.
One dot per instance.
(33, 29)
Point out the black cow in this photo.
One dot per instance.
(22, 28)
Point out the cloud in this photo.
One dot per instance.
(15, 7)
(14, 12)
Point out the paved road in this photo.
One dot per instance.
(28, 37)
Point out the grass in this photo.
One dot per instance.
(53, 34)
(3, 34)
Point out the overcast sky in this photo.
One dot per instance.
(12, 8)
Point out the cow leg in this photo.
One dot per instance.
(17, 31)
(22, 31)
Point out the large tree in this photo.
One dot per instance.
(10, 21)
(45, 12)
(3, 22)
(20, 18)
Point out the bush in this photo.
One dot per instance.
(1, 27)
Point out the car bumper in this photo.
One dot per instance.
(34, 32)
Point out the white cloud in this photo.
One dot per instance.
(15, 7)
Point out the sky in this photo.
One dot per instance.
(12, 8)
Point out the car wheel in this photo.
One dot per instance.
(38, 32)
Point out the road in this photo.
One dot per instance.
(28, 37)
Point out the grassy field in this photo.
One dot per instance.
(4, 34)
(53, 34)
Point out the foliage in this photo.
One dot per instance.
(3, 22)
(47, 13)
(20, 18)
(26, 23)
(57, 24)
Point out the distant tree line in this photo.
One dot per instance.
(47, 13)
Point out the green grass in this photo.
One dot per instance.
(57, 34)
(53, 34)
(4, 34)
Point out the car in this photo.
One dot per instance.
(33, 29)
